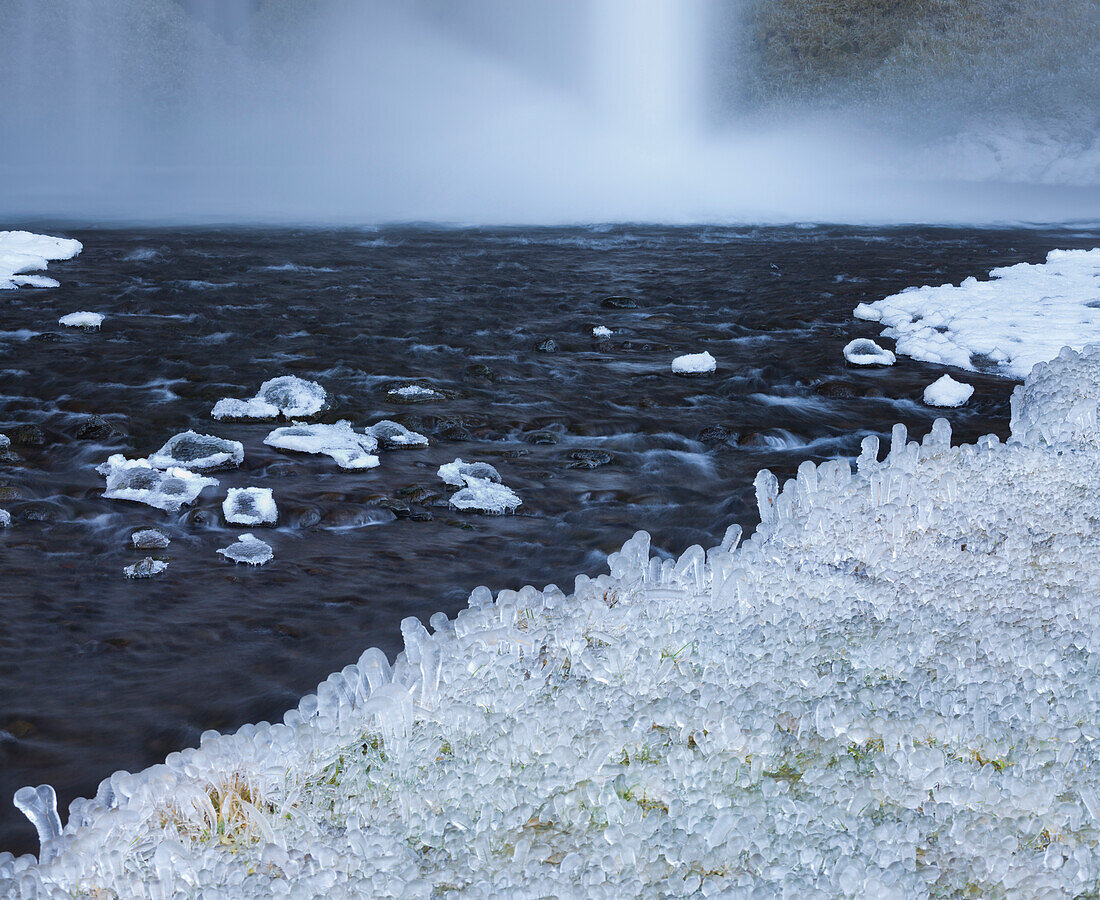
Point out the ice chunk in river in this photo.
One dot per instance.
(694, 364)
(88, 320)
(865, 352)
(395, 436)
(287, 395)
(946, 391)
(147, 568)
(137, 480)
(248, 549)
(250, 506)
(5, 518)
(192, 450)
(350, 449)
(480, 485)
(150, 539)
(413, 393)
(601, 332)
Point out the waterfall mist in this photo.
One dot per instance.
(480, 111)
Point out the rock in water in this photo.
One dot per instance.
(481, 490)
(89, 321)
(350, 449)
(287, 396)
(413, 393)
(147, 568)
(5, 519)
(456, 473)
(395, 436)
(201, 452)
(547, 346)
(250, 506)
(150, 539)
(946, 391)
(865, 352)
(137, 480)
(601, 332)
(694, 364)
(249, 550)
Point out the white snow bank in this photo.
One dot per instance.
(892, 690)
(140, 481)
(288, 395)
(350, 449)
(89, 320)
(694, 364)
(864, 352)
(1023, 315)
(946, 391)
(250, 506)
(22, 252)
(249, 550)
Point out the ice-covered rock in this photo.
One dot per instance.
(147, 568)
(1020, 316)
(601, 332)
(22, 252)
(87, 320)
(250, 506)
(413, 393)
(248, 549)
(150, 539)
(350, 449)
(287, 396)
(141, 482)
(456, 473)
(201, 452)
(481, 490)
(865, 352)
(395, 436)
(5, 519)
(694, 364)
(946, 391)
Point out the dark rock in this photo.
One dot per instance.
(41, 511)
(420, 515)
(645, 346)
(27, 436)
(753, 439)
(418, 493)
(95, 428)
(47, 337)
(547, 346)
(618, 303)
(590, 459)
(399, 508)
(838, 390)
(716, 434)
(456, 433)
(480, 370)
(541, 437)
(198, 517)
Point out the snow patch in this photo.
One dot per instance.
(946, 391)
(694, 364)
(22, 252)
(88, 320)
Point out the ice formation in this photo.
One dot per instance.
(480, 488)
(350, 449)
(142, 482)
(250, 506)
(395, 436)
(891, 690)
(1021, 316)
(601, 331)
(865, 352)
(946, 391)
(22, 252)
(248, 549)
(147, 568)
(150, 539)
(694, 364)
(413, 393)
(5, 519)
(88, 320)
(202, 452)
(287, 396)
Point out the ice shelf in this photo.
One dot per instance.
(891, 689)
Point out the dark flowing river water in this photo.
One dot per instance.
(598, 438)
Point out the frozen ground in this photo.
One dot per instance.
(22, 252)
(891, 690)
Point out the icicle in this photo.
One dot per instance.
(40, 806)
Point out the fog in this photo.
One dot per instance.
(480, 111)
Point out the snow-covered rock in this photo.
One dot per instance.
(456, 473)
(413, 393)
(287, 396)
(946, 391)
(142, 482)
(395, 436)
(5, 519)
(481, 490)
(601, 332)
(250, 506)
(150, 539)
(865, 352)
(1021, 316)
(89, 321)
(694, 364)
(201, 452)
(350, 449)
(250, 550)
(147, 568)
(22, 252)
